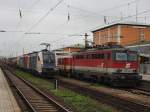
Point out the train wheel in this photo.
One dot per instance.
(101, 79)
(80, 76)
(113, 84)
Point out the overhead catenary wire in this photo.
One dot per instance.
(146, 11)
(125, 17)
(139, 13)
(41, 33)
(34, 3)
(105, 10)
(45, 33)
(73, 7)
(97, 14)
(42, 18)
(45, 15)
(84, 10)
(91, 12)
(119, 6)
(11, 31)
(34, 33)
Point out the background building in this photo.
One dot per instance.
(144, 52)
(122, 33)
(73, 48)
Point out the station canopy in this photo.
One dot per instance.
(142, 49)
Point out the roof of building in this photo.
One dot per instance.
(122, 23)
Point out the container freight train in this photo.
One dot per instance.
(114, 66)
(39, 63)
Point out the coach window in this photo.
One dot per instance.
(108, 56)
(97, 56)
(90, 56)
(77, 57)
(102, 56)
(93, 56)
(86, 56)
(81, 57)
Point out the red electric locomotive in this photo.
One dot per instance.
(115, 66)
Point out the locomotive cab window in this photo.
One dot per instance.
(48, 58)
(132, 57)
(120, 56)
(97, 56)
(101, 56)
(94, 56)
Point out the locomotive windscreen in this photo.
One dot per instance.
(132, 57)
(48, 59)
(126, 56)
(121, 56)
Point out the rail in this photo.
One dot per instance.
(35, 98)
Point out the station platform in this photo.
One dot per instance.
(8, 102)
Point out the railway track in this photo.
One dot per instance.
(36, 99)
(143, 89)
(122, 104)
(118, 102)
(145, 86)
(138, 91)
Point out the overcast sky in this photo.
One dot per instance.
(50, 19)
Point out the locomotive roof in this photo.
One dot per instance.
(44, 50)
(97, 50)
